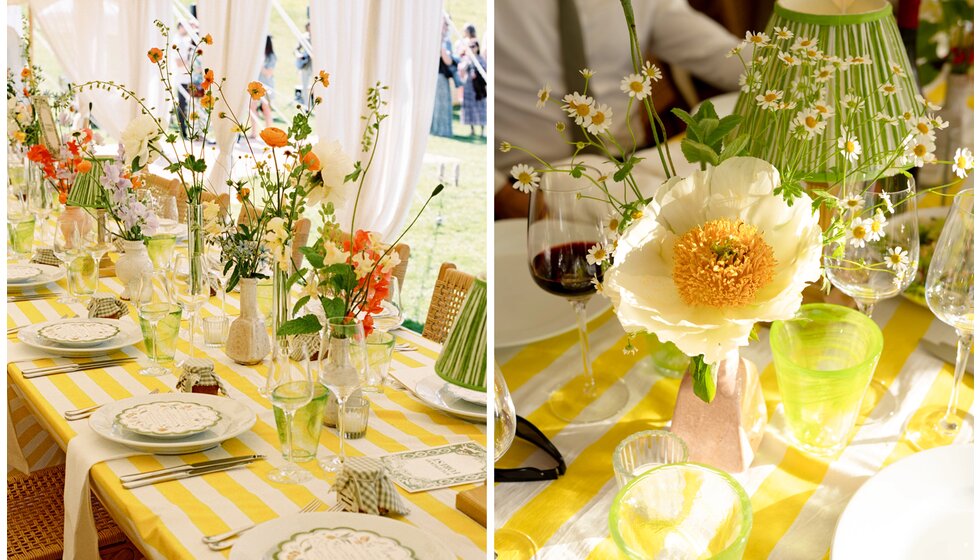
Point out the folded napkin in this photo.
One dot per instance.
(362, 486)
(17, 351)
(84, 451)
(106, 307)
(45, 256)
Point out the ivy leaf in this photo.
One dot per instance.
(704, 383)
(306, 324)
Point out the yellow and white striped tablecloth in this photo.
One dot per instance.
(796, 498)
(167, 520)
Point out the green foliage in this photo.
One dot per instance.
(306, 324)
(704, 382)
(704, 142)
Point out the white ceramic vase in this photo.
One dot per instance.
(248, 342)
(132, 264)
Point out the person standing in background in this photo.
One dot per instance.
(442, 114)
(268, 78)
(474, 110)
(304, 63)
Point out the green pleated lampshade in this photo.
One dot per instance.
(463, 360)
(866, 28)
(87, 190)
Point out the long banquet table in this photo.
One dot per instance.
(167, 520)
(796, 498)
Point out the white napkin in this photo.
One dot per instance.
(85, 450)
(410, 377)
(17, 351)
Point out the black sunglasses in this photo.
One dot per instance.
(529, 432)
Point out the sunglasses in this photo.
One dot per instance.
(530, 433)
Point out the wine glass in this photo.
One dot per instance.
(392, 316)
(97, 244)
(563, 225)
(949, 294)
(67, 244)
(191, 290)
(343, 371)
(154, 303)
(878, 257)
(292, 389)
(42, 201)
(507, 543)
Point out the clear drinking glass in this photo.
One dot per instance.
(391, 316)
(949, 294)
(191, 292)
(155, 304)
(824, 359)
(160, 249)
(380, 348)
(21, 231)
(306, 426)
(293, 388)
(508, 544)
(97, 244)
(215, 331)
(565, 221)
(645, 450)
(84, 273)
(67, 244)
(42, 201)
(681, 510)
(343, 370)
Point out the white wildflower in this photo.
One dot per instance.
(526, 177)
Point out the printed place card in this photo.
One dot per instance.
(437, 467)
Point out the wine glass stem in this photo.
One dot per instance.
(288, 416)
(191, 324)
(950, 421)
(155, 340)
(866, 308)
(341, 412)
(583, 337)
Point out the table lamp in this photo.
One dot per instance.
(864, 32)
(463, 361)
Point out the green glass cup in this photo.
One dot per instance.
(160, 249)
(681, 510)
(84, 275)
(21, 231)
(380, 348)
(824, 358)
(668, 360)
(307, 423)
(167, 330)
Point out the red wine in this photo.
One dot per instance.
(564, 271)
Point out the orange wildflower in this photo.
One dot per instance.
(155, 55)
(207, 101)
(311, 162)
(208, 79)
(84, 166)
(274, 137)
(243, 194)
(136, 181)
(324, 78)
(25, 73)
(256, 90)
(207, 39)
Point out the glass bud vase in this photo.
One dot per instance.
(280, 309)
(195, 238)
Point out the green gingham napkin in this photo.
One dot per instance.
(106, 307)
(45, 256)
(362, 486)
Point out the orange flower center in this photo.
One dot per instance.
(582, 109)
(920, 150)
(599, 118)
(961, 162)
(923, 129)
(636, 86)
(810, 121)
(770, 97)
(524, 177)
(860, 232)
(849, 146)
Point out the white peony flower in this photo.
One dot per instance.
(713, 254)
(138, 138)
(335, 164)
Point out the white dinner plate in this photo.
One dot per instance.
(129, 334)
(236, 419)
(433, 392)
(168, 419)
(78, 333)
(48, 274)
(20, 273)
(919, 507)
(523, 312)
(396, 536)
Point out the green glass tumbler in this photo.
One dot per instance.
(306, 426)
(167, 330)
(824, 358)
(160, 249)
(21, 232)
(380, 348)
(681, 510)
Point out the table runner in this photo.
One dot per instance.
(796, 498)
(167, 520)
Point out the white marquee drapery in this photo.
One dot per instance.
(107, 40)
(361, 43)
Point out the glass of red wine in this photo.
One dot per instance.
(565, 221)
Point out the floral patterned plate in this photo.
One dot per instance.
(48, 274)
(19, 273)
(77, 334)
(168, 420)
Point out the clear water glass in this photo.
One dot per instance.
(306, 426)
(343, 371)
(154, 305)
(21, 234)
(84, 273)
(191, 292)
(645, 450)
(293, 388)
(67, 244)
(380, 349)
(391, 317)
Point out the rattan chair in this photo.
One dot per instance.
(447, 299)
(161, 186)
(36, 520)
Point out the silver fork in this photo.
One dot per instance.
(82, 413)
(218, 542)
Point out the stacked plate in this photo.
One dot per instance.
(27, 276)
(81, 337)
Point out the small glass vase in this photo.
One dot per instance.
(280, 309)
(195, 238)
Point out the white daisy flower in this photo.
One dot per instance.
(888, 89)
(769, 100)
(544, 94)
(876, 226)
(825, 109)
(612, 224)
(784, 106)
(735, 50)
(897, 259)
(825, 73)
(937, 122)
(586, 73)
(803, 43)
(896, 69)
(854, 204)
(923, 127)
(962, 162)
(849, 146)
(833, 59)
(597, 254)
(921, 151)
(782, 33)
(789, 59)
(887, 199)
(756, 39)
(852, 102)
(749, 81)
(526, 178)
(651, 71)
(635, 86)
(899, 280)
(761, 61)
(578, 106)
(596, 284)
(886, 119)
(600, 119)
(929, 105)
(813, 53)
(809, 121)
(859, 59)
(857, 232)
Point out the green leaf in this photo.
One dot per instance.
(626, 169)
(332, 307)
(725, 126)
(295, 277)
(684, 116)
(704, 383)
(706, 129)
(312, 256)
(696, 152)
(736, 147)
(706, 111)
(300, 303)
(306, 324)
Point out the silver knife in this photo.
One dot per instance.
(189, 466)
(197, 471)
(65, 368)
(946, 353)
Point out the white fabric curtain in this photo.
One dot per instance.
(107, 40)
(239, 31)
(397, 43)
